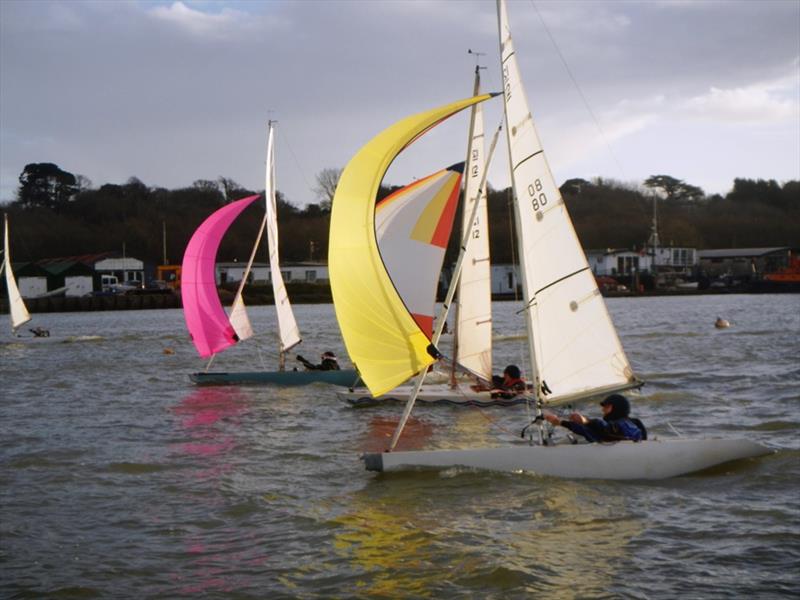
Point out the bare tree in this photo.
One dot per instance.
(327, 180)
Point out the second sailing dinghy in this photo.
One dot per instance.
(574, 349)
(211, 329)
(472, 339)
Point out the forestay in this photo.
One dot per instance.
(413, 227)
(575, 349)
(382, 338)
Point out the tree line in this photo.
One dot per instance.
(58, 214)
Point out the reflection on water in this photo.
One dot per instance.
(532, 534)
(200, 412)
(378, 436)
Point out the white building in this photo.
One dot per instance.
(306, 272)
(124, 269)
(611, 262)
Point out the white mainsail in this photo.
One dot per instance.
(473, 319)
(288, 331)
(287, 325)
(16, 306)
(575, 350)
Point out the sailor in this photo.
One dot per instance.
(616, 424)
(504, 386)
(40, 332)
(328, 363)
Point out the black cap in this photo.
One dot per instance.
(621, 407)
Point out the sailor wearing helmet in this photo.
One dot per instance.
(616, 424)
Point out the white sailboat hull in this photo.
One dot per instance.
(432, 394)
(656, 459)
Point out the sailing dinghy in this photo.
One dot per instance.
(472, 337)
(211, 329)
(17, 311)
(574, 349)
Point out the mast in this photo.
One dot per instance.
(445, 307)
(465, 226)
(164, 243)
(504, 35)
(654, 241)
(472, 338)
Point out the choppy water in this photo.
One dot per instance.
(120, 480)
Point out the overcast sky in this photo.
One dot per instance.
(172, 92)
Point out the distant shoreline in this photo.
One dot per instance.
(173, 300)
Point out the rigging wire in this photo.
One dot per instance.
(296, 161)
(579, 89)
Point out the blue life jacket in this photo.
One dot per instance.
(600, 430)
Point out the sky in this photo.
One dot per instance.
(172, 92)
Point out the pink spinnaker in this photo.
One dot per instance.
(205, 317)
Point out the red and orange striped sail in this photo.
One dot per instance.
(413, 227)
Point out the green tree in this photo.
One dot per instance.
(45, 185)
(674, 189)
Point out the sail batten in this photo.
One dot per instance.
(381, 336)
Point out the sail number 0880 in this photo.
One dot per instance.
(538, 197)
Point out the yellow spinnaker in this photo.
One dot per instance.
(383, 341)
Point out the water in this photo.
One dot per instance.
(119, 479)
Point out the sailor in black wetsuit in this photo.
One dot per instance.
(616, 424)
(328, 363)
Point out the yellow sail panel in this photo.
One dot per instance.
(384, 342)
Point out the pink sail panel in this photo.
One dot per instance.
(206, 320)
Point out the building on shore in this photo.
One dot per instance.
(300, 272)
(76, 276)
(743, 262)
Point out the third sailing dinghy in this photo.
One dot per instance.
(574, 349)
(211, 329)
(17, 311)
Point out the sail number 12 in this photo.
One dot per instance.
(538, 198)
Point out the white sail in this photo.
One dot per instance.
(575, 351)
(239, 319)
(287, 325)
(16, 306)
(474, 307)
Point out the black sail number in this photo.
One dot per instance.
(538, 197)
